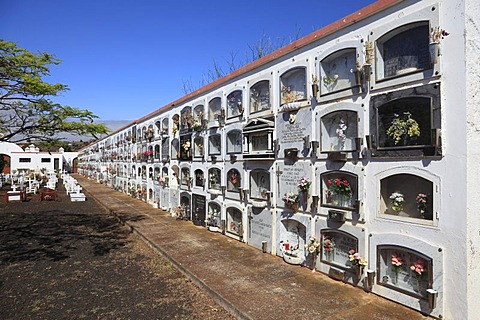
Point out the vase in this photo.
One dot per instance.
(314, 261)
(358, 271)
(329, 255)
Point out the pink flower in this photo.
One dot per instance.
(356, 255)
(311, 249)
(352, 251)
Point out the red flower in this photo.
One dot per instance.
(338, 182)
(329, 182)
(346, 183)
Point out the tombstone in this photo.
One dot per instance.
(199, 209)
(259, 227)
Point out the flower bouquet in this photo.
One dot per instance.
(357, 262)
(313, 247)
(418, 267)
(339, 192)
(403, 129)
(397, 263)
(397, 201)
(290, 199)
(328, 247)
(422, 203)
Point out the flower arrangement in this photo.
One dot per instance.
(213, 178)
(436, 34)
(356, 259)
(304, 184)
(422, 203)
(186, 145)
(342, 127)
(369, 52)
(313, 246)
(174, 128)
(328, 245)
(330, 82)
(397, 201)
(290, 198)
(397, 263)
(403, 128)
(289, 96)
(234, 179)
(339, 186)
(418, 267)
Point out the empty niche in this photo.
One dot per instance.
(339, 130)
(407, 195)
(404, 270)
(235, 104)
(293, 86)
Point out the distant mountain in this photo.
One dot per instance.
(112, 125)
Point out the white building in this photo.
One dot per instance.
(32, 159)
(377, 110)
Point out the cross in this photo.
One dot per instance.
(278, 173)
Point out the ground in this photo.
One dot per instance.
(72, 260)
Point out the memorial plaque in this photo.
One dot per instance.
(259, 227)
(199, 209)
(292, 128)
(343, 243)
(174, 198)
(288, 177)
(165, 199)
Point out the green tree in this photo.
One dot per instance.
(26, 109)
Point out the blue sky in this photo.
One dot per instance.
(124, 59)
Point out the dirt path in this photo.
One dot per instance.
(70, 260)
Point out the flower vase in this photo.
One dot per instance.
(434, 49)
(329, 255)
(358, 271)
(395, 277)
(314, 261)
(303, 197)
